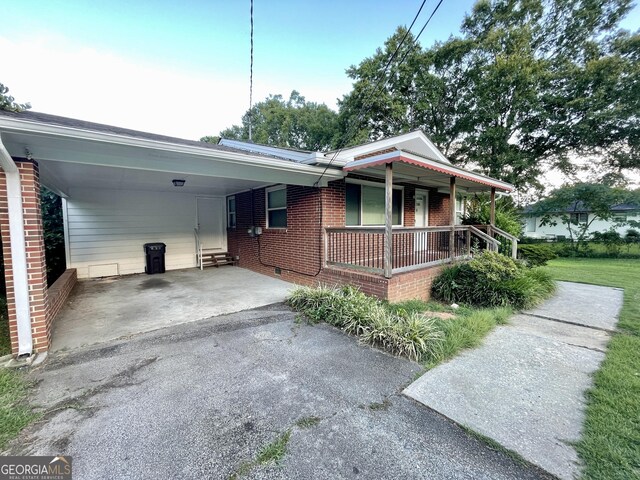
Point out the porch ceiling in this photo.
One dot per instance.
(63, 177)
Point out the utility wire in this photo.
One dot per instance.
(251, 75)
(378, 83)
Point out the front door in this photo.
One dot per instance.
(211, 215)
(422, 219)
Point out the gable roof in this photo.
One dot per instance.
(580, 207)
(416, 142)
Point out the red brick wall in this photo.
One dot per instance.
(60, 290)
(297, 250)
(438, 209)
(36, 266)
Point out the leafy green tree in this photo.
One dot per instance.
(530, 85)
(508, 218)
(7, 102)
(53, 233)
(292, 123)
(565, 203)
(214, 139)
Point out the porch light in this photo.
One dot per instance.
(177, 182)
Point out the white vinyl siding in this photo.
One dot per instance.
(110, 227)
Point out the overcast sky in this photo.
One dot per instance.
(182, 67)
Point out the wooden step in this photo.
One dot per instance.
(216, 258)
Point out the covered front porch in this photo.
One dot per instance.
(396, 249)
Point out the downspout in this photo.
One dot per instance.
(18, 251)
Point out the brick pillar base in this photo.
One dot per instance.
(36, 265)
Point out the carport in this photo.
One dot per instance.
(117, 307)
(120, 190)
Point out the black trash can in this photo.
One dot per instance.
(154, 253)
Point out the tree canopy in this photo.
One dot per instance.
(529, 85)
(7, 102)
(292, 123)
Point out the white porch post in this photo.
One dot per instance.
(18, 251)
(388, 217)
(492, 212)
(452, 216)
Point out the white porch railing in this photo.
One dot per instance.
(411, 247)
(199, 261)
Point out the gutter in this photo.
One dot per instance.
(18, 251)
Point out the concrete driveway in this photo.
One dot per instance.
(201, 399)
(110, 308)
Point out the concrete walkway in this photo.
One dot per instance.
(524, 387)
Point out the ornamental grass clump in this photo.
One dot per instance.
(493, 280)
(400, 333)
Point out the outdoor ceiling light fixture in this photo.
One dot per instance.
(177, 182)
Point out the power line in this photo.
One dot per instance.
(383, 77)
(251, 73)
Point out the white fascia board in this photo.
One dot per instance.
(348, 154)
(446, 166)
(38, 128)
(18, 251)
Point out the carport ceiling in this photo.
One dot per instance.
(64, 177)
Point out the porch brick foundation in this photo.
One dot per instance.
(36, 266)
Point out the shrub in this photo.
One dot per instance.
(493, 280)
(536, 255)
(611, 240)
(400, 333)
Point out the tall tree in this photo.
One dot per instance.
(7, 102)
(293, 123)
(530, 85)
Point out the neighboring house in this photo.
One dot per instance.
(377, 215)
(579, 214)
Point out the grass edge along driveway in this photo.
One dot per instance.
(611, 436)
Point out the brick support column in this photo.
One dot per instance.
(36, 265)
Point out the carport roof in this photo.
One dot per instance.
(75, 153)
(49, 119)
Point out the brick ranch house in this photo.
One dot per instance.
(384, 216)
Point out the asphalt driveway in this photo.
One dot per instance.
(200, 400)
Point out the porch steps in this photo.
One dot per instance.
(215, 258)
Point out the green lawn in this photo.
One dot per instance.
(15, 414)
(610, 446)
(5, 342)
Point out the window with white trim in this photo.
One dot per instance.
(276, 206)
(365, 205)
(231, 212)
(577, 218)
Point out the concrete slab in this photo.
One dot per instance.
(570, 334)
(201, 399)
(589, 305)
(524, 387)
(106, 309)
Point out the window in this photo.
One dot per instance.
(577, 218)
(619, 217)
(460, 208)
(531, 224)
(365, 205)
(231, 212)
(277, 207)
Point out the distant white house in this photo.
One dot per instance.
(621, 213)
